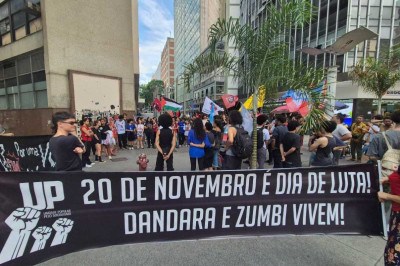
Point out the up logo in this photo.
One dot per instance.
(41, 197)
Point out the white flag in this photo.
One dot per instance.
(207, 106)
(247, 120)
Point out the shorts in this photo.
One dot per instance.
(140, 134)
(131, 136)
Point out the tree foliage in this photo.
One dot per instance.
(264, 57)
(147, 90)
(377, 76)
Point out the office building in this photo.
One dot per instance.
(79, 56)
(333, 19)
(168, 68)
(192, 20)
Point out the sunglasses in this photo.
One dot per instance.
(71, 123)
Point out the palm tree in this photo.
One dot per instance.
(264, 59)
(377, 76)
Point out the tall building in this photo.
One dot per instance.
(192, 20)
(157, 74)
(333, 19)
(214, 85)
(76, 56)
(168, 68)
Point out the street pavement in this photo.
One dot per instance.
(276, 250)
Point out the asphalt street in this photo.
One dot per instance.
(276, 250)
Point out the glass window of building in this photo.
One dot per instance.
(23, 82)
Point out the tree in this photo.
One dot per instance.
(377, 76)
(264, 57)
(147, 90)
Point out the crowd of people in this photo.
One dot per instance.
(211, 141)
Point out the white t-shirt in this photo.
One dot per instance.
(340, 131)
(266, 136)
(140, 128)
(120, 125)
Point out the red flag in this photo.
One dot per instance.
(303, 110)
(157, 105)
(291, 105)
(229, 100)
(163, 102)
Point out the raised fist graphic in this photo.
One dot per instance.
(21, 221)
(62, 226)
(41, 234)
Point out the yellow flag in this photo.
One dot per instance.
(248, 104)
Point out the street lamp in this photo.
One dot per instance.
(344, 44)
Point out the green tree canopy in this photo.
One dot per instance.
(263, 56)
(147, 90)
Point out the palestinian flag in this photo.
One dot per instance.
(170, 105)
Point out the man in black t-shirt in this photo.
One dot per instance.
(65, 146)
(290, 147)
(277, 136)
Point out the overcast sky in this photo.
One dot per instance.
(156, 23)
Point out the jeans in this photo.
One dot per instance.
(261, 157)
(356, 147)
(122, 140)
(216, 159)
(86, 154)
(277, 158)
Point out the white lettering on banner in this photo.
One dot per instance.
(158, 221)
(128, 189)
(350, 182)
(315, 183)
(43, 194)
(265, 184)
(318, 214)
(201, 186)
(225, 217)
(258, 215)
(289, 183)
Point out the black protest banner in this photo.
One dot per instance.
(48, 214)
(25, 154)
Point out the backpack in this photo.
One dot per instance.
(390, 160)
(260, 138)
(242, 145)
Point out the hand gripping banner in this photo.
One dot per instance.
(49, 214)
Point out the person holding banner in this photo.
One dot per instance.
(65, 145)
(165, 143)
(392, 248)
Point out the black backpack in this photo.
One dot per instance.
(260, 138)
(242, 145)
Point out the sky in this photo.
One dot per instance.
(156, 23)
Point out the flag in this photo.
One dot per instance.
(170, 105)
(229, 100)
(156, 104)
(304, 109)
(248, 104)
(208, 103)
(247, 120)
(212, 113)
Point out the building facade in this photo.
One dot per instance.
(168, 68)
(60, 55)
(333, 19)
(192, 20)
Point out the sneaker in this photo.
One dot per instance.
(88, 165)
(109, 157)
(91, 164)
(102, 161)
